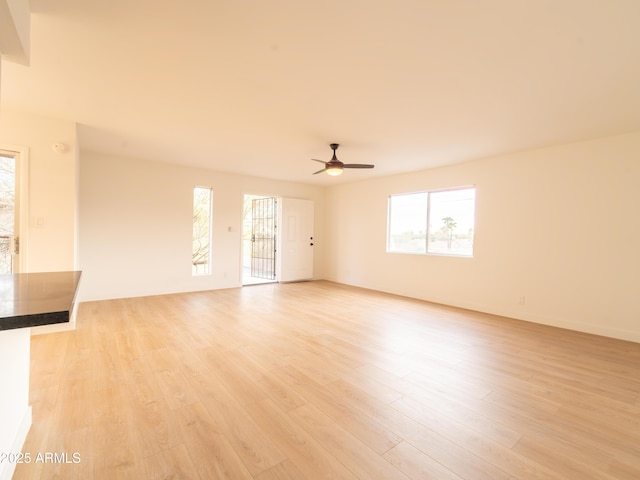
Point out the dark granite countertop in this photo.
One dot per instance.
(34, 299)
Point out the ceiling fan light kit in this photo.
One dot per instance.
(335, 167)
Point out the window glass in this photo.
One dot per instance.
(451, 222)
(408, 223)
(437, 222)
(201, 254)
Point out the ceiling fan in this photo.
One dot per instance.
(334, 166)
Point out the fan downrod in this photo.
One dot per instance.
(334, 147)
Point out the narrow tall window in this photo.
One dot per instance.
(201, 253)
(439, 222)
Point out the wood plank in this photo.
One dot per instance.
(362, 461)
(210, 451)
(285, 470)
(343, 412)
(570, 460)
(298, 445)
(252, 445)
(417, 465)
(433, 445)
(506, 459)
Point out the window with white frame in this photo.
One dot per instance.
(201, 249)
(437, 222)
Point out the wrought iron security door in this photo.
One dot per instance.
(263, 238)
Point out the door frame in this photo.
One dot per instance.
(22, 199)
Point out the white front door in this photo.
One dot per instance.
(296, 240)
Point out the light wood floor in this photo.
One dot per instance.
(320, 381)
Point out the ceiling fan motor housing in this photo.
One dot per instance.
(335, 166)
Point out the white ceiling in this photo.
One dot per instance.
(261, 86)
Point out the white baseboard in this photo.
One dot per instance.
(7, 469)
(53, 328)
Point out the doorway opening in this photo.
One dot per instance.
(259, 239)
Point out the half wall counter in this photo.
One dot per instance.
(35, 299)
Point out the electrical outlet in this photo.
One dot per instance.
(521, 300)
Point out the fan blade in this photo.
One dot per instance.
(357, 165)
(319, 171)
(321, 161)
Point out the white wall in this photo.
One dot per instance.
(558, 226)
(15, 412)
(50, 233)
(135, 229)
